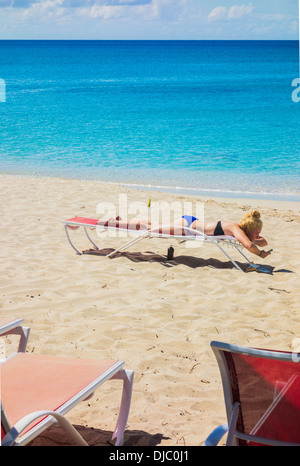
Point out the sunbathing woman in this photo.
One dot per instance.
(247, 231)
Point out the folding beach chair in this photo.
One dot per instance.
(15, 326)
(262, 396)
(192, 235)
(38, 390)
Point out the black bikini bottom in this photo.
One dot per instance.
(219, 230)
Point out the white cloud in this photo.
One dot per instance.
(220, 12)
(103, 9)
(148, 19)
(43, 9)
(72, 3)
(234, 12)
(100, 11)
(237, 11)
(153, 10)
(133, 10)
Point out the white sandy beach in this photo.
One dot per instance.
(157, 316)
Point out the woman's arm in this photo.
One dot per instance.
(248, 244)
(260, 241)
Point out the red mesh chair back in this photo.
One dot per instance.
(266, 384)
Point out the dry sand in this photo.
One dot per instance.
(158, 316)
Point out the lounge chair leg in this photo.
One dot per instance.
(130, 243)
(24, 335)
(227, 255)
(66, 230)
(89, 238)
(127, 377)
(232, 424)
(244, 255)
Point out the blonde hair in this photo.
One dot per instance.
(251, 221)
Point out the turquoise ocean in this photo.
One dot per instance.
(211, 117)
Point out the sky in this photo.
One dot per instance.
(149, 19)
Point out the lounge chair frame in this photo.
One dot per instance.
(232, 408)
(13, 434)
(16, 327)
(192, 235)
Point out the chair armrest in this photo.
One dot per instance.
(215, 436)
(8, 325)
(15, 327)
(22, 332)
(10, 438)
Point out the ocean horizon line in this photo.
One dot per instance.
(149, 40)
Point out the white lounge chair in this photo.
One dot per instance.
(38, 390)
(195, 235)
